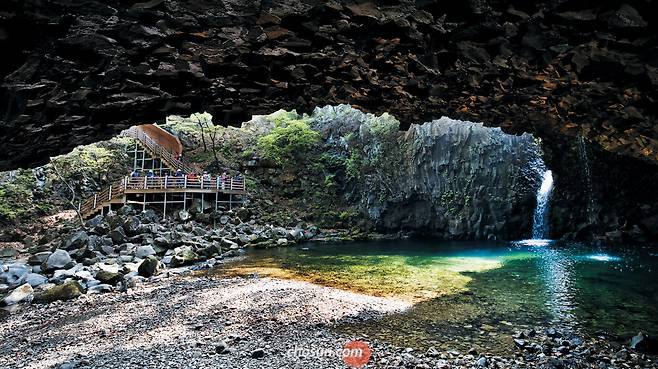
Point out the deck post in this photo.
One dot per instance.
(95, 199)
(185, 201)
(185, 181)
(230, 199)
(202, 202)
(164, 210)
(165, 183)
(135, 156)
(109, 193)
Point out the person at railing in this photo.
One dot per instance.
(179, 178)
(223, 179)
(136, 173)
(206, 178)
(192, 179)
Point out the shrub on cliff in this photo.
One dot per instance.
(289, 140)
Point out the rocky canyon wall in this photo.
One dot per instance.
(447, 178)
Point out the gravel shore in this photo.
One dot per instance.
(181, 321)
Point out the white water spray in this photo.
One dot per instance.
(540, 220)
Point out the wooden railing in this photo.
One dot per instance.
(184, 182)
(214, 184)
(98, 200)
(170, 158)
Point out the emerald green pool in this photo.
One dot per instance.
(469, 294)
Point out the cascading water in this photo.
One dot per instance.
(540, 221)
(587, 176)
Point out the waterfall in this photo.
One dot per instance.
(587, 175)
(540, 221)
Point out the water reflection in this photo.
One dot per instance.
(470, 292)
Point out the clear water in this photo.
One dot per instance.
(469, 294)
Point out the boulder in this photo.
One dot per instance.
(644, 343)
(109, 277)
(183, 215)
(132, 226)
(66, 291)
(58, 260)
(144, 251)
(34, 279)
(118, 235)
(14, 274)
(149, 216)
(209, 251)
(39, 258)
(23, 293)
(78, 240)
(93, 222)
(183, 255)
(96, 243)
(226, 243)
(149, 267)
(126, 210)
(243, 214)
(100, 288)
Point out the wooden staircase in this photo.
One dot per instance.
(160, 144)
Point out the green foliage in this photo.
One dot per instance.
(329, 182)
(16, 195)
(288, 140)
(282, 117)
(247, 153)
(353, 164)
(382, 126)
(250, 184)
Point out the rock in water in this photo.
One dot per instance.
(644, 343)
(20, 294)
(58, 260)
(66, 291)
(149, 267)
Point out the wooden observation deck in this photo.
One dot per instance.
(164, 190)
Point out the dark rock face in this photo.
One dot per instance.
(78, 71)
(458, 180)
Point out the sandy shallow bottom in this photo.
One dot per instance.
(178, 322)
